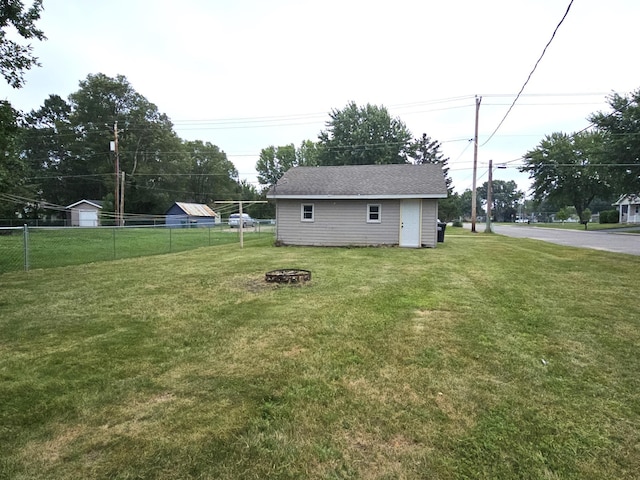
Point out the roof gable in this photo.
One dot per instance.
(628, 199)
(362, 181)
(93, 203)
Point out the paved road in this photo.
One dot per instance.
(599, 240)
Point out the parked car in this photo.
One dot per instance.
(234, 220)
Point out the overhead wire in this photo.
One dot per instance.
(530, 74)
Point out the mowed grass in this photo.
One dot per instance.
(488, 357)
(56, 247)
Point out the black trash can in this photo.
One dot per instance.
(441, 228)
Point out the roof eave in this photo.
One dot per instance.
(83, 201)
(358, 197)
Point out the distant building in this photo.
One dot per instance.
(187, 215)
(85, 213)
(628, 208)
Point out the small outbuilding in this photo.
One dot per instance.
(359, 205)
(187, 215)
(85, 213)
(628, 208)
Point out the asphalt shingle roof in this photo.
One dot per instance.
(402, 180)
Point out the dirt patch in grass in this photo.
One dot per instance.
(374, 457)
(432, 319)
(51, 451)
(294, 351)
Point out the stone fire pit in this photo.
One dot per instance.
(288, 276)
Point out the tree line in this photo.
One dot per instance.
(594, 166)
(359, 135)
(60, 153)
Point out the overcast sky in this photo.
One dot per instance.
(246, 74)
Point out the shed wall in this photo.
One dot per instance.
(87, 210)
(429, 223)
(344, 222)
(186, 221)
(176, 217)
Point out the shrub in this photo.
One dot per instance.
(456, 223)
(609, 216)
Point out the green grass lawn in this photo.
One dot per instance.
(488, 357)
(56, 247)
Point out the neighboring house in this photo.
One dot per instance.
(628, 207)
(359, 205)
(85, 213)
(190, 215)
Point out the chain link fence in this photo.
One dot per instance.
(26, 248)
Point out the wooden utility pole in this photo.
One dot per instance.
(116, 200)
(489, 195)
(475, 167)
(122, 198)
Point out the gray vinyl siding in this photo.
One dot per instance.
(429, 223)
(344, 222)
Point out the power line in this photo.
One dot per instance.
(530, 74)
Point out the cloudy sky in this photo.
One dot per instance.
(246, 74)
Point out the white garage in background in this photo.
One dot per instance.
(85, 213)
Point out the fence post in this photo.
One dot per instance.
(25, 241)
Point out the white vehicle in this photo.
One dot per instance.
(234, 220)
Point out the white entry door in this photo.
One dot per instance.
(410, 223)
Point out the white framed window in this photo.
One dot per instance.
(307, 212)
(374, 213)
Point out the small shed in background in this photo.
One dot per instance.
(185, 215)
(85, 213)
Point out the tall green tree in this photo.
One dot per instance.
(46, 141)
(308, 154)
(16, 58)
(12, 168)
(505, 198)
(426, 150)
(566, 169)
(150, 153)
(364, 136)
(621, 141)
(465, 201)
(273, 162)
(67, 148)
(211, 174)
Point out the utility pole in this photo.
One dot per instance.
(122, 199)
(116, 199)
(489, 195)
(475, 167)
